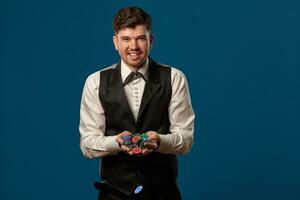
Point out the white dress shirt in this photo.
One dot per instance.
(94, 143)
(134, 90)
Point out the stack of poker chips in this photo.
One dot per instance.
(136, 142)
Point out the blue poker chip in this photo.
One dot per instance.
(127, 138)
(138, 189)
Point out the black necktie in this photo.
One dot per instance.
(132, 76)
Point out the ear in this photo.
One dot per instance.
(151, 40)
(115, 41)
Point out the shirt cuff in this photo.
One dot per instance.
(166, 143)
(112, 145)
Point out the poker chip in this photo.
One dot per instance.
(143, 142)
(135, 142)
(144, 136)
(137, 150)
(140, 142)
(131, 146)
(127, 143)
(127, 138)
(135, 138)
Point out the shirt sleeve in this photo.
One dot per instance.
(181, 117)
(93, 142)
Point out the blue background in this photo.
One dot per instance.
(242, 62)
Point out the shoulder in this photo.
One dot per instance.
(176, 74)
(93, 79)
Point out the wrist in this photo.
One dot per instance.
(157, 143)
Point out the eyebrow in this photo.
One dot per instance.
(140, 36)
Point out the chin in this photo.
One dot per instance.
(135, 63)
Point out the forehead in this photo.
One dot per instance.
(138, 30)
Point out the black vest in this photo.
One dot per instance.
(123, 171)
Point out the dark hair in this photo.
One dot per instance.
(130, 17)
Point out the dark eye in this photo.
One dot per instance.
(125, 38)
(142, 39)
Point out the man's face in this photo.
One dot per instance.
(133, 45)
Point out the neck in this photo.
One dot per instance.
(135, 69)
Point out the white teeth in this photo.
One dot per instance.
(134, 54)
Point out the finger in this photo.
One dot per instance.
(146, 152)
(150, 145)
(125, 148)
(126, 133)
(130, 152)
(119, 140)
(152, 136)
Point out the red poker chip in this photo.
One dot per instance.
(135, 139)
(137, 150)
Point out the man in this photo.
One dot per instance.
(136, 95)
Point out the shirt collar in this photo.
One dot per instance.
(125, 70)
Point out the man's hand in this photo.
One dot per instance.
(120, 141)
(149, 147)
(153, 144)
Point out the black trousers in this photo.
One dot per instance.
(160, 192)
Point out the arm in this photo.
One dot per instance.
(93, 142)
(181, 117)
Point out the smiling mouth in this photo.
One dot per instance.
(134, 55)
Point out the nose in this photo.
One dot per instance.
(134, 45)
